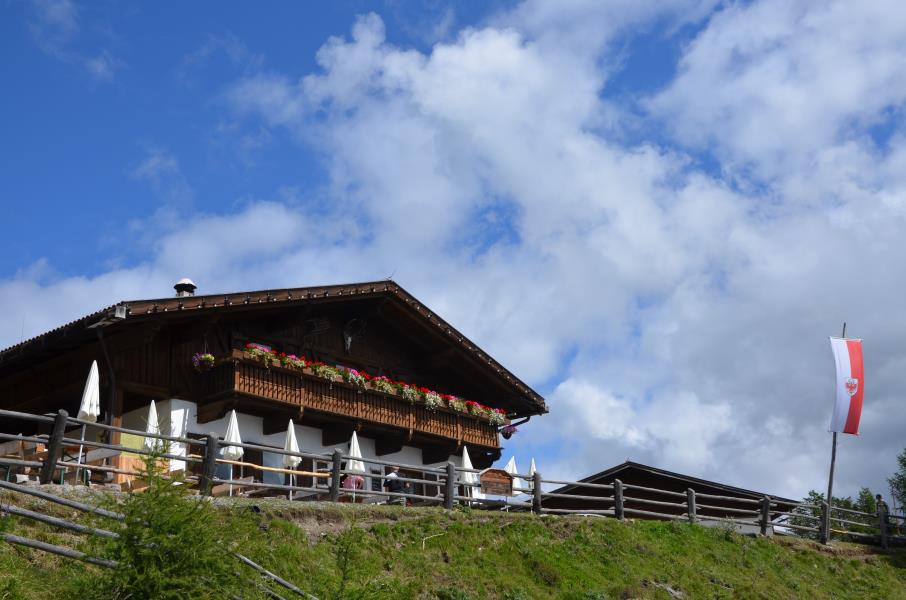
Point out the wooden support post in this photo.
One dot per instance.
(335, 476)
(29, 491)
(275, 578)
(618, 499)
(450, 486)
(62, 523)
(882, 525)
(209, 464)
(54, 447)
(536, 493)
(825, 523)
(59, 550)
(115, 437)
(691, 511)
(765, 520)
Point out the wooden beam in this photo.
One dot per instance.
(484, 458)
(439, 360)
(116, 419)
(154, 391)
(278, 422)
(214, 410)
(152, 331)
(388, 444)
(332, 435)
(28, 402)
(286, 319)
(438, 453)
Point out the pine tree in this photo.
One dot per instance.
(865, 501)
(898, 480)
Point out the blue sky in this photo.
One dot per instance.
(75, 139)
(653, 212)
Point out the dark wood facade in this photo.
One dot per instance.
(376, 327)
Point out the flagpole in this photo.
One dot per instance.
(830, 479)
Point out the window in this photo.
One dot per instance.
(377, 483)
(306, 481)
(223, 471)
(421, 489)
(193, 467)
(322, 466)
(273, 460)
(431, 490)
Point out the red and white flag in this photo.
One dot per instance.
(850, 385)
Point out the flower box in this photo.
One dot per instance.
(360, 380)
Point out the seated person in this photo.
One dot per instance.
(350, 484)
(353, 482)
(393, 484)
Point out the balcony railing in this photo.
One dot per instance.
(241, 375)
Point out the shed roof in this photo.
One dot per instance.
(616, 471)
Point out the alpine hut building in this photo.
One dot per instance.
(364, 357)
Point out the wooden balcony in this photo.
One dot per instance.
(242, 376)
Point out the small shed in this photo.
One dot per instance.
(637, 474)
(496, 482)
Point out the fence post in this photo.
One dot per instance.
(618, 499)
(536, 493)
(450, 486)
(335, 476)
(691, 509)
(209, 464)
(825, 523)
(54, 447)
(765, 514)
(882, 525)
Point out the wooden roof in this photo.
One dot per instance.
(654, 474)
(78, 332)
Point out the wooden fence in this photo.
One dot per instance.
(453, 485)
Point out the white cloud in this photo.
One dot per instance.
(156, 165)
(60, 18)
(225, 44)
(686, 296)
(102, 66)
(770, 85)
(55, 27)
(161, 171)
(678, 317)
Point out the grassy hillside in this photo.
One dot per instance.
(343, 551)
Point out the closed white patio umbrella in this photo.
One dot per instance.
(355, 452)
(232, 437)
(531, 472)
(291, 445)
(90, 408)
(153, 426)
(470, 478)
(355, 458)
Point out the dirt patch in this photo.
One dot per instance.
(839, 549)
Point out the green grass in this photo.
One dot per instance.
(342, 551)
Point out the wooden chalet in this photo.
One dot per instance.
(145, 349)
(637, 474)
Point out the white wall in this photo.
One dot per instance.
(180, 417)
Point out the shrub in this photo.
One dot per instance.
(170, 546)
